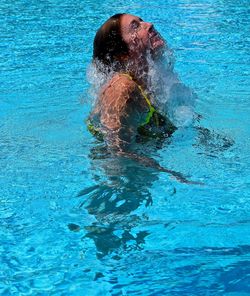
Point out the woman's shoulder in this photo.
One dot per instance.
(120, 83)
(116, 98)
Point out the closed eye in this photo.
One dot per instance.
(135, 25)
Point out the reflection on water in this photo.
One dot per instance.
(123, 187)
(115, 200)
(212, 142)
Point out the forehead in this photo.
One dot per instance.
(127, 19)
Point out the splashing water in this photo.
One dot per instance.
(169, 94)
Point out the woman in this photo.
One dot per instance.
(124, 112)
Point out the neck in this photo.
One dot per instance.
(138, 69)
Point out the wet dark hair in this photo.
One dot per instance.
(109, 46)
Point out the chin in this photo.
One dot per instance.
(157, 45)
(158, 50)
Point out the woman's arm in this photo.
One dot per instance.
(121, 108)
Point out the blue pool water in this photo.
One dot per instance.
(76, 221)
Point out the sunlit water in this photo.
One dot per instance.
(78, 221)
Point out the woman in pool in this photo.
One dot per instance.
(124, 111)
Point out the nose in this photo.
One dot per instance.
(148, 26)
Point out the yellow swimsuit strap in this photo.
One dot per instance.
(151, 108)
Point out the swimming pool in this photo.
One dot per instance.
(74, 220)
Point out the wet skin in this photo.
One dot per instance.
(121, 107)
(139, 35)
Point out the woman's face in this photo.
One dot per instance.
(139, 35)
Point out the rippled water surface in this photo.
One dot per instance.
(78, 221)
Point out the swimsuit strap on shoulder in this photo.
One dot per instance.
(151, 108)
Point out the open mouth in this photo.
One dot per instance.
(156, 40)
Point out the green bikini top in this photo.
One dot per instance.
(151, 108)
(155, 124)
